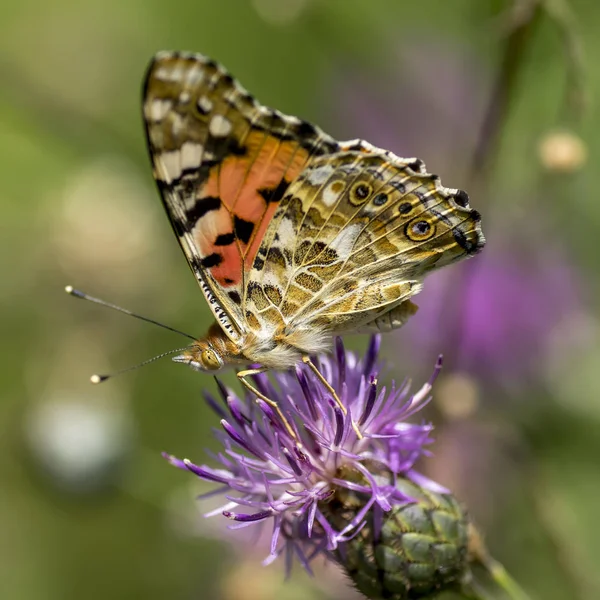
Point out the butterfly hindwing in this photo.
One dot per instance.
(292, 235)
(353, 238)
(222, 162)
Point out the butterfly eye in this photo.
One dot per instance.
(419, 231)
(360, 192)
(210, 360)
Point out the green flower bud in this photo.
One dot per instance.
(413, 551)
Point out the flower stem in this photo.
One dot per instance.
(501, 576)
(474, 592)
(523, 18)
(576, 101)
(481, 560)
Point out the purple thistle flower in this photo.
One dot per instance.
(268, 475)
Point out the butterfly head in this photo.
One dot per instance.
(201, 356)
(212, 353)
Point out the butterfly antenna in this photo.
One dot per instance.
(101, 378)
(79, 294)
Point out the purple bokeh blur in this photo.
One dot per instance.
(430, 105)
(495, 316)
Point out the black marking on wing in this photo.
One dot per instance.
(225, 239)
(398, 186)
(259, 263)
(461, 198)
(200, 208)
(422, 197)
(417, 165)
(243, 229)
(276, 193)
(276, 256)
(235, 297)
(212, 260)
(305, 129)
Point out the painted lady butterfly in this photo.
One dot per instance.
(293, 236)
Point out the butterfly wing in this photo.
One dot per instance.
(353, 238)
(222, 163)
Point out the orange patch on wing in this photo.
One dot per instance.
(229, 272)
(237, 181)
(214, 223)
(260, 233)
(290, 161)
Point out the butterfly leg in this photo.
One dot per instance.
(306, 360)
(253, 390)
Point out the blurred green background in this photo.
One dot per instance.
(88, 508)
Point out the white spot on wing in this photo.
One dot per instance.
(219, 126)
(169, 164)
(319, 175)
(168, 73)
(344, 241)
(205, 104)
(157, 110)
(191, 155)
(176, 123)
(329, 196)
(286, 230)
(270, 278)
(195, 77)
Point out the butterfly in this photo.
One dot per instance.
(293, 236)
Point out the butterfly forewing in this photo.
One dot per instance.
(223, 162)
